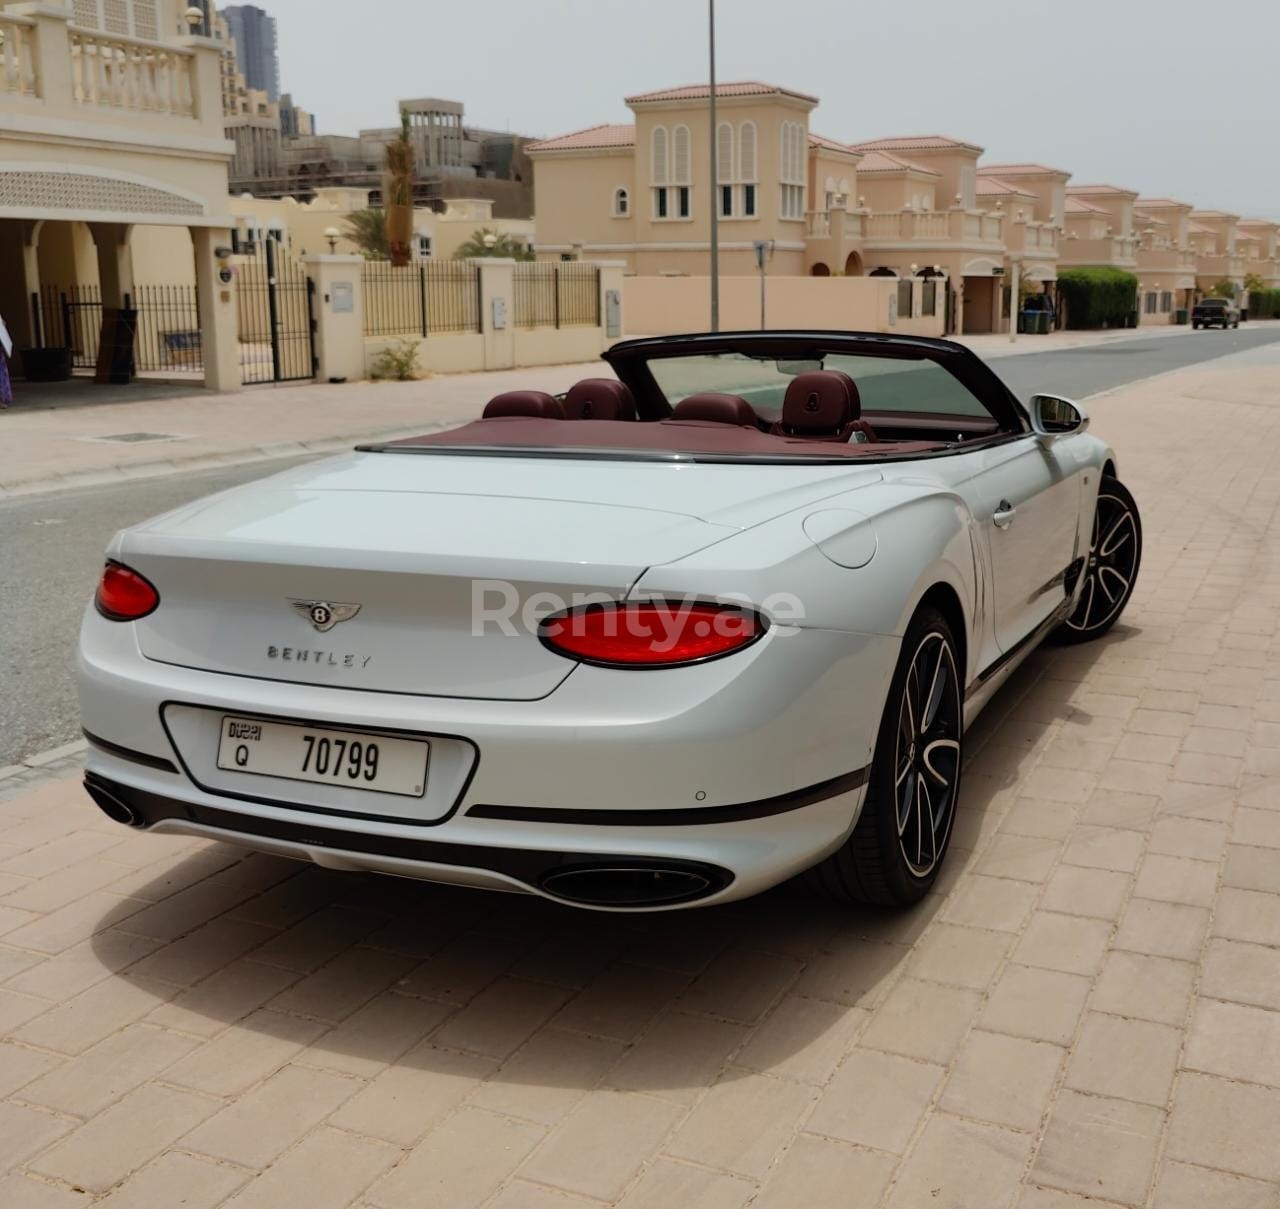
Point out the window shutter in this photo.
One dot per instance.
(146, 22)
(86, 14)
(659, 171)
(724, 153)
(682, 168)
(747, 152)
(115, 17)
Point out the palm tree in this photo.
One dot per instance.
(367, 229)
(487, 242)
(399, 194)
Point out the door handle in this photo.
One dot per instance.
(1004, 514)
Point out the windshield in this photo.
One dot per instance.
(884, 384)
(1212, 302)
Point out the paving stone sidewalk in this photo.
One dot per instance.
(1085, 1015)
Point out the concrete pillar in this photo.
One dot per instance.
(497, 310)
(115, 264)
(52, 49)
(219, 335)
(339, 313)
(611, 272)
(206, 80)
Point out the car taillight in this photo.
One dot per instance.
(650, 633)
(123, 594)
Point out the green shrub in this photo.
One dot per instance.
(399, 362)
(1098, 297)
(1264, 304)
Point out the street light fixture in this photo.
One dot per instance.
(194, 17)
(490, 240)
(332, 234)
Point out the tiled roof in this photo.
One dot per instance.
(1200, 229)
(1159, 203)
(989, 186)
(1077, 205)
(1211, 214)
(1265, 223)
(1097, 190)
(818, 140)
(591, 139)
(915, 142)
(882, 161)
(1020, 170)
(739, 88)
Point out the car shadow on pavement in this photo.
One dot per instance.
(285, 961)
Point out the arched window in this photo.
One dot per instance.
(747, 167)
(621, 203)
(672, 174)
(724, 169)
(681, 156)
(792, 168)
(658, 171)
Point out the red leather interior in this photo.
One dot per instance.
(599, 399)
(823, 405)
(712, 405)
(524, 403)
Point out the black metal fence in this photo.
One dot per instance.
(422, 299)
(168, 325)
(274, 305)
(557, 295)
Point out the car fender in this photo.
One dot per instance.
(918, 535)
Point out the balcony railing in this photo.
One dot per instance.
(1037, 237)
(128, 73)
(929, 225)
(837, 222)
(17, 55)
(819, 224)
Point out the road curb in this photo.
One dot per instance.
(44, 758)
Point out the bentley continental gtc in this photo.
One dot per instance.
(715, 620)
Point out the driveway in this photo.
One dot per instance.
(1086, 1014)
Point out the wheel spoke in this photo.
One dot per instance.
(1103, 572)
(936, 689)
(1106, 547)
(906, 801)
(950, 745)
(1086, 602)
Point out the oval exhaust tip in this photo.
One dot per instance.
(629, 885)
(112, 806)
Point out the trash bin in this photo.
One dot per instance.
(45, 364)
(1042, 323)
(1181, 315)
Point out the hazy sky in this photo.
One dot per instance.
(1169, 97)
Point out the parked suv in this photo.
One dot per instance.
(1210, 311)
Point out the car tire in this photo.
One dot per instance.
(1111, 565)
(1195, 327)
(887, 861)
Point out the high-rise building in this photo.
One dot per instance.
(254, 31)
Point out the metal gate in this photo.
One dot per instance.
(275, 303)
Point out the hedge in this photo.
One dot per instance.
(1264, 304)
(1098, 297)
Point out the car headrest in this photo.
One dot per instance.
(821, 401)
(712, 405)
(599, 399)
(524, 403)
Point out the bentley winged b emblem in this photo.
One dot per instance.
(325, 614)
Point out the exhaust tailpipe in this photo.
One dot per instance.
(112, 806)
(637, 884)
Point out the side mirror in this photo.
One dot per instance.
(1054, 416)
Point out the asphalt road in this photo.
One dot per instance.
(51, 545)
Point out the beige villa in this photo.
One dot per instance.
(906, 207)
(111, 123)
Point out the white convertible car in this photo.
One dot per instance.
(665, 641)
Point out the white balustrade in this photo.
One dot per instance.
(17, 55)
(129, 73)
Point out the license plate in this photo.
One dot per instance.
(373, 763)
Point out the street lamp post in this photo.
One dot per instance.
(715, 176)
(332, 234)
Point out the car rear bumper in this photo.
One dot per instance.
(724, 778)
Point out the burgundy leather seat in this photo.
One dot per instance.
(720, 408)
(524, 403)
(599, 399)
(823, 405)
